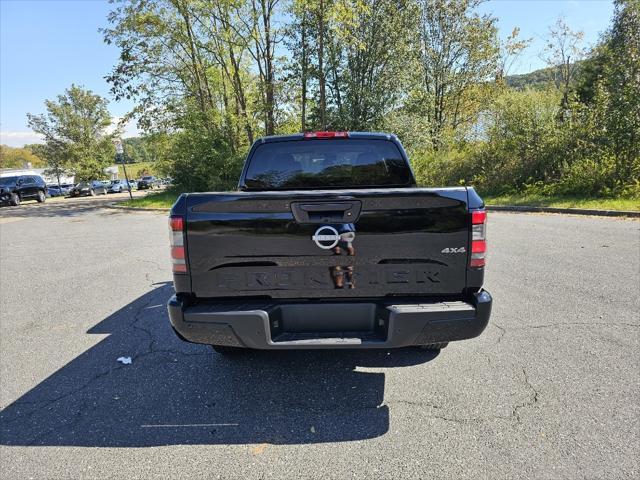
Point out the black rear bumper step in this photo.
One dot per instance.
(369, 324)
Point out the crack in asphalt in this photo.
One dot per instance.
(515, 412)
(46, 404)
(533, 399)
(503, 331)
(561, 324)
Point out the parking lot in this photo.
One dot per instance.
(550, 390)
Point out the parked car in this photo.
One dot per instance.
(66, 188)
(22, 187)
(117, 186)
(53, 191)
(133, 184)
(147, 182)
(352, 254)
(92, 188)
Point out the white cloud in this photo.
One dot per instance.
(19, 138)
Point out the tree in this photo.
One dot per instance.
(217, 55)
(57, 162)
(563, 54)
(74, 131)
(459, 51)
(510, 49)
(617, 90)
(265, 39)
(370, 59)
(299, 41)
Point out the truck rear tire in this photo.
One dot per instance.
(225, 350)
(434, 347)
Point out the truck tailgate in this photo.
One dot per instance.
(331, 244)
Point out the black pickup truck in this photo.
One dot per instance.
(328, 244)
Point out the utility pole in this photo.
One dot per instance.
(120, 154)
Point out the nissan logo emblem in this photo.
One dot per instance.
(326, 237)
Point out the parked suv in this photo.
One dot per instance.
(147, 182)
(22, 187)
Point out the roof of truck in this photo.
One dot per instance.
(300, 136)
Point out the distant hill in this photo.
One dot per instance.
(537, 80)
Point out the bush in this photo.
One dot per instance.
(201, 159)
(587, 177)
(443, 167)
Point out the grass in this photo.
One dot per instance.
(628, 204)
(136, 170)
(154, 200)
(167, 198)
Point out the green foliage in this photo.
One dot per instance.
(458, 52)
(522, 141)
(578, 140)
(539, 79)
(163, 200)
(201, 159)
(137, 170)
(74, 130)
(369, 52)
(572, 201)
(207, 81)
(19, 157)
(452, 166)
(151, 151)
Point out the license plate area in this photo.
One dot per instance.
(330, 322)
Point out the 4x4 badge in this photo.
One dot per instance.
(454, 250)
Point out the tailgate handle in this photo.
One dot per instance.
(326, 207)
(323, 212)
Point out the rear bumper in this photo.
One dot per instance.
(312, 325)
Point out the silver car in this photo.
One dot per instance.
(117, 186)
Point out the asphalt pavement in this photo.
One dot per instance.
(549, 390)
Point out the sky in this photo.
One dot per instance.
(46, 45)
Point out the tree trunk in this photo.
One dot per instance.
(268, 64)
(240, 95)
(194, 59)
(321, 78)
(303, 67)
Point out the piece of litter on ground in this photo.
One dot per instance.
(313, 430)
(124, 360)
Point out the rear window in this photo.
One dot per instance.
(8, 180)
(327, 164)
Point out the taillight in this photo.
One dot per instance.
(478, 238)
(326, 135)
(176, 230)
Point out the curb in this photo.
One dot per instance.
(571, 211)
(115, 206)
